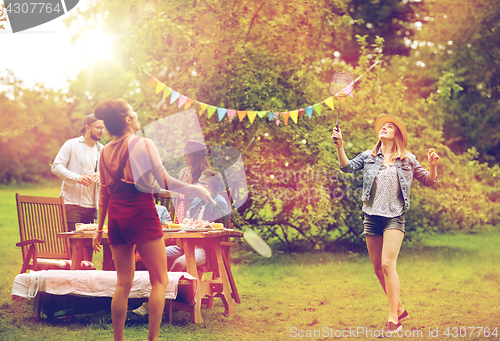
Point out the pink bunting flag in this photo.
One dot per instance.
(182, 100)
(231, 114)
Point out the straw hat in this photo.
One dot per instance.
(195, 147)
(389, 118)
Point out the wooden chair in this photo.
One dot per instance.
(167, 199)
(40, 219)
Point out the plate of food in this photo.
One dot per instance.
(171, 229)
(199, 229)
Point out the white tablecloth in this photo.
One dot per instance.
(94, 283)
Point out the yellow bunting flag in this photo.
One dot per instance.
(262, 113)
(203, 107)
(211, 110)
(166, 92)
(241, 115)
(251, 115)
(159, 87)
(317, 108)
(329, 102)
(152, 82)
(294, 115)
(189, 101)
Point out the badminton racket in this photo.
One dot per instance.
(341, 85)
(257, 243)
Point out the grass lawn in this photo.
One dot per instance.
(449, 283)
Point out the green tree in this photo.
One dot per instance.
(34, 122)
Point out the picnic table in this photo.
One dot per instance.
(212, 240)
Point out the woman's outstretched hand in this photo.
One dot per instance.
(203, 194)
(433, 158)
(337, 135)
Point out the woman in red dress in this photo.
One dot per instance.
(129, 165)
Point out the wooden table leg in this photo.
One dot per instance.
(226, 290)
(77, 254)
(188, 246)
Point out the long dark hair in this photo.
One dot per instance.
(113, 113)
(200, 163)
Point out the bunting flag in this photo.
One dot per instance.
(271, 116)
(182, 100)
(166, 92)
(152, 82)
(241, 115)
(294, 115)
(189, 102)
(262, 113)
(203, 107)
(251, 116)
(309, 111)
(211, 110)
(329, 102)
(317, 108)
(221, 112)
(159, 87)
(175, 95)
(285, 115)
(301, 112)
(231, 114)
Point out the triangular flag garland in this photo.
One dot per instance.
(278, 117)
(175, 95)
(231, 114)
(221, 112)
(241, 115)
(182, 100)
(211, 110)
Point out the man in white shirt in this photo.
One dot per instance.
(77, 164)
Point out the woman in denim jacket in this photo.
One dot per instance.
(388, 171)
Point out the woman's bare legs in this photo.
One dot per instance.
(155, 259)
(123, 256)
(384, 253)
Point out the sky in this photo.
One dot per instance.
(42, 54)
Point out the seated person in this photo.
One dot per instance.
(163, 214)
(176, 261)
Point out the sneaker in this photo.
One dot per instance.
(403, 316)
(392, 327)
(142, 310)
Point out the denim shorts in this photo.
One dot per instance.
(375, 225)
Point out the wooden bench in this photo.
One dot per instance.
(91, 291)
